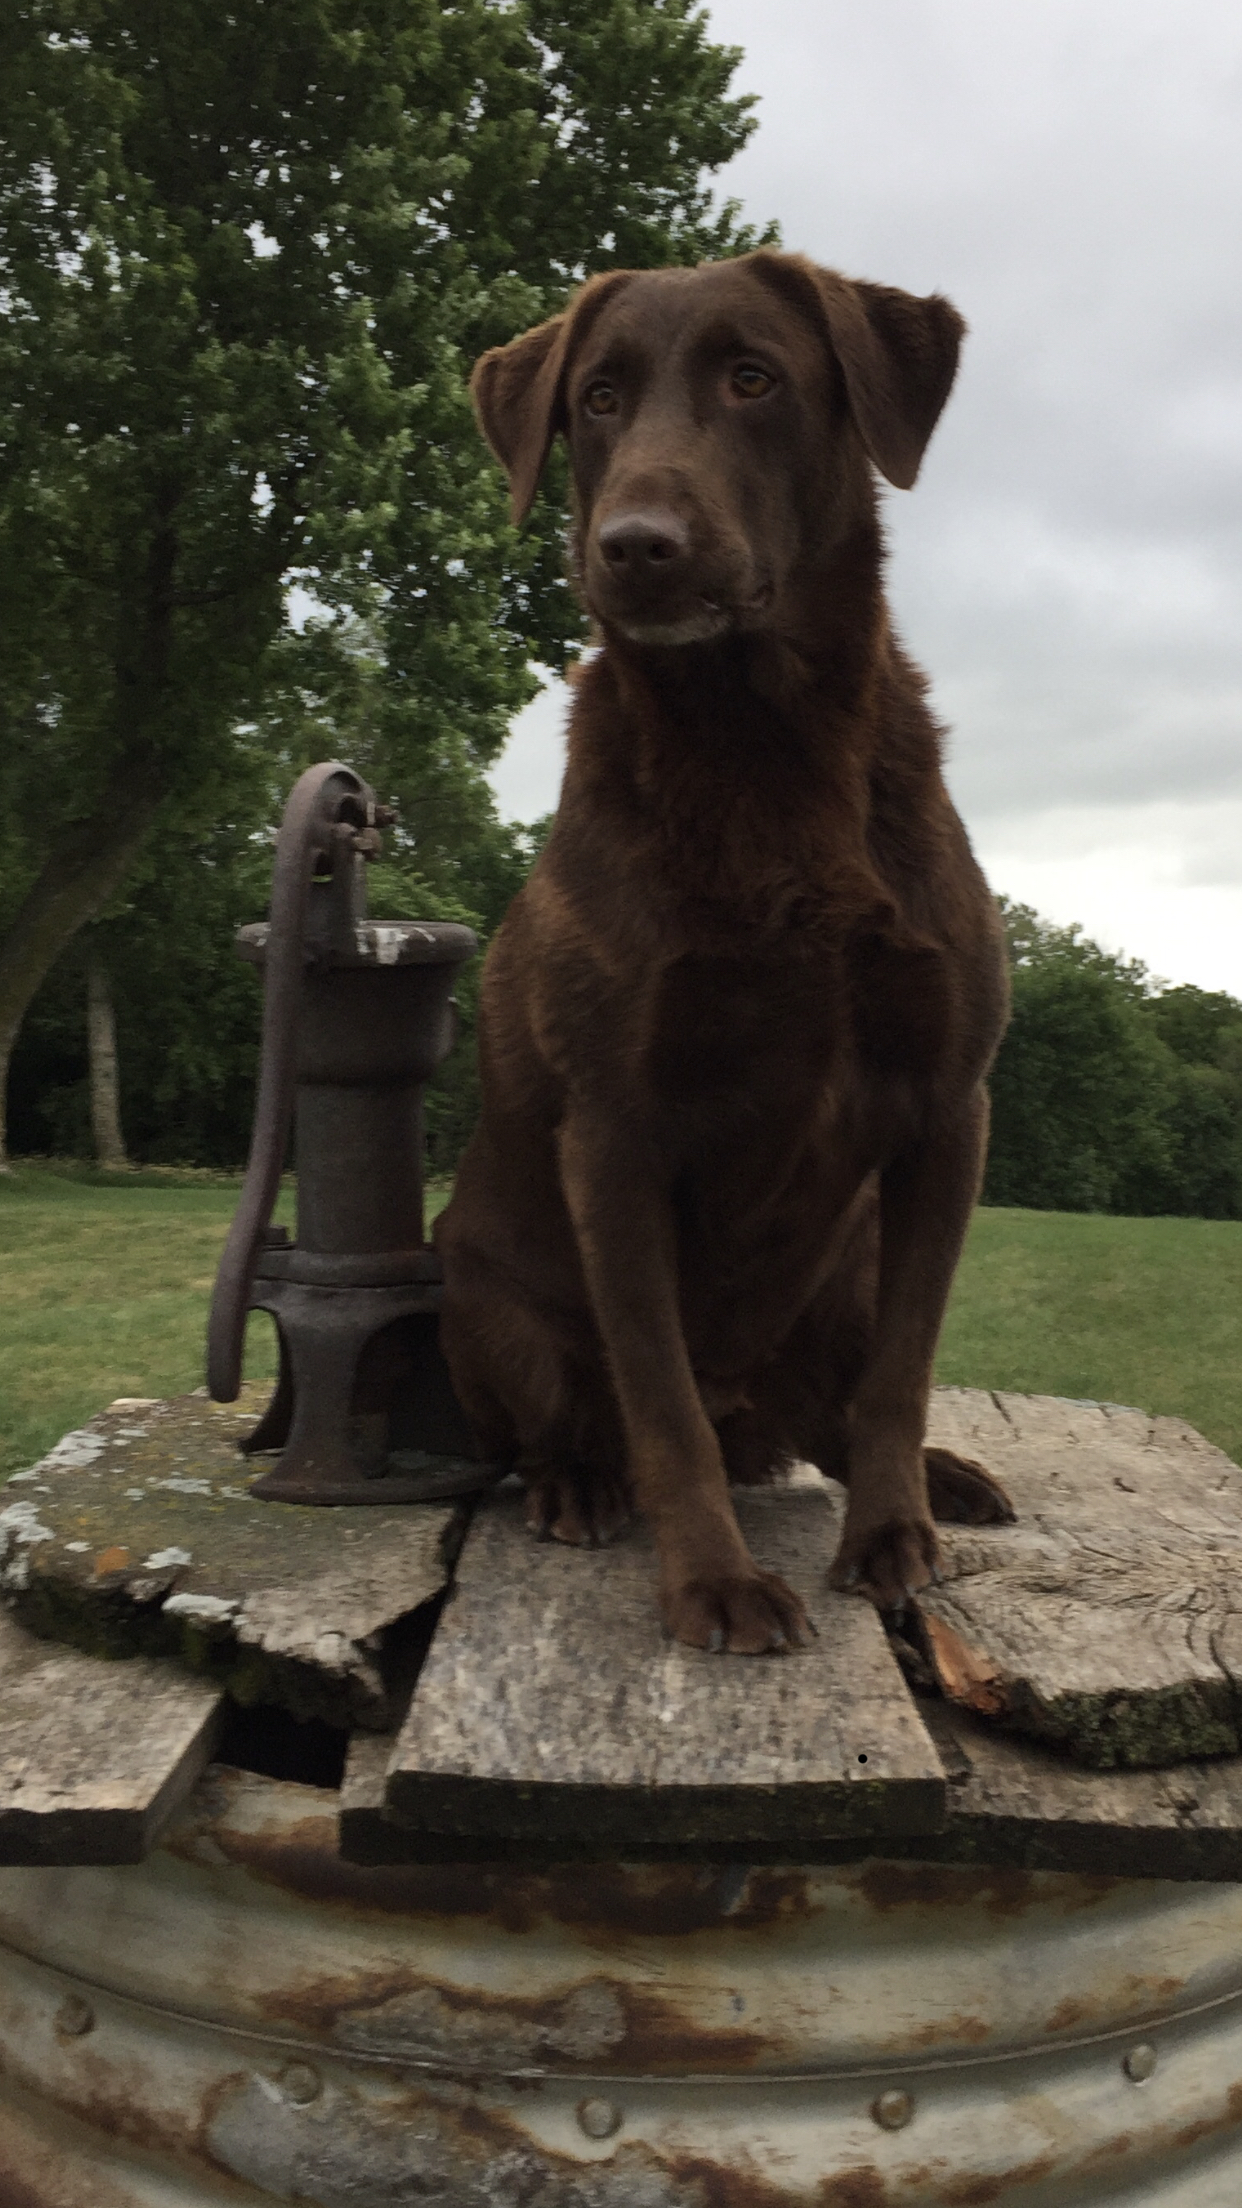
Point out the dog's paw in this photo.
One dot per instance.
(888, 1563)
(587, 1509)
(963, 1493)
(751, 1615)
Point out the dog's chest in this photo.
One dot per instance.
(775, 1031)
(720, 1025)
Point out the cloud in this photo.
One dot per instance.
(1069, 566)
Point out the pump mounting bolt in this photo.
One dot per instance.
(892, 2110)
(598, 2118)
(300, 2083)
(74, 2018)
(1140, 2062)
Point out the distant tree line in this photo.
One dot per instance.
(1112, 1092)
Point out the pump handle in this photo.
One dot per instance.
(308, 836)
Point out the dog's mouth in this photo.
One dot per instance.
(707, 619)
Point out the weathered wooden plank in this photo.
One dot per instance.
(1016, 1802)
(1107, 1620)
(550, 1704)
(94, 1757)
(1013, 1804)
(138, 1534)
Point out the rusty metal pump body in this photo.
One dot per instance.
(357, 1016)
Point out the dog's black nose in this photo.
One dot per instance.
(639, 542)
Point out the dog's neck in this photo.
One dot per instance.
(749, 764)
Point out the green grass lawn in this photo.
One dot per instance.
(104, 1285)
(1142, 1311)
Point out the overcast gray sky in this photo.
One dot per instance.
(1069, 567)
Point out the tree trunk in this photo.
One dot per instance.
(76, 883)
(101, 1051)
(93, 856)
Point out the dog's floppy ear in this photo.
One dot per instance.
(898, 355)
(519, 390)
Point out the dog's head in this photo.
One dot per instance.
(722, 423)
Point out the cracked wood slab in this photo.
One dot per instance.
(1108, 1620)
(1011, 1805)
(136, 1535)
(94, 1757)
(1018, 1802)
(551, 1708)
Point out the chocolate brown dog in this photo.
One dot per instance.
(735, 1029)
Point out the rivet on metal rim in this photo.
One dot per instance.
(893, 2110)
(1140, 2062)
(599, 2119)
(300, 2083)
(74, 2017)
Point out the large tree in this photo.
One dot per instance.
(246, 256)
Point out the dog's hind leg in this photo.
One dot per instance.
(529, 1403)
(586, 1504)
(800, 1407)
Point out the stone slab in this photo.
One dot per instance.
(1108, 1620)
(551, 1708)
(95, 1757)
(136, 1535)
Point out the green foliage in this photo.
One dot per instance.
(246, 259)
(1110, 1094)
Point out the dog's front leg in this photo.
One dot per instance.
(712, 1593)
(888, 1546)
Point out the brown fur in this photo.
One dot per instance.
(735, 1029)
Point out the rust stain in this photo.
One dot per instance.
(999, 1890)
(969, 2031)
(964, 1673)
(1191, 2134)
(659, 1901)
(104, 2099)
(859, 2188)
(1145, 1997)
(658, 2037)
(638, 2025)
(462, 2148)
(1109, 2149)
(976, 2192)
(716, 2186)
(111, 1560)
(1158, 1991)
(15, 2193)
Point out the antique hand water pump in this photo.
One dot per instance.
(357, 1015)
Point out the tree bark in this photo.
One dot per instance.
(93, 856)
(75, 885)
(101, 1053)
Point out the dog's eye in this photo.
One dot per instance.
(600, 398)
(750, 382)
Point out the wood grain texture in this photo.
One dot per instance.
(137, 1534)
(94, 1756)
(1012, 1804)
(1108, 1620)
(1016, 1802)
(551, 1706)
